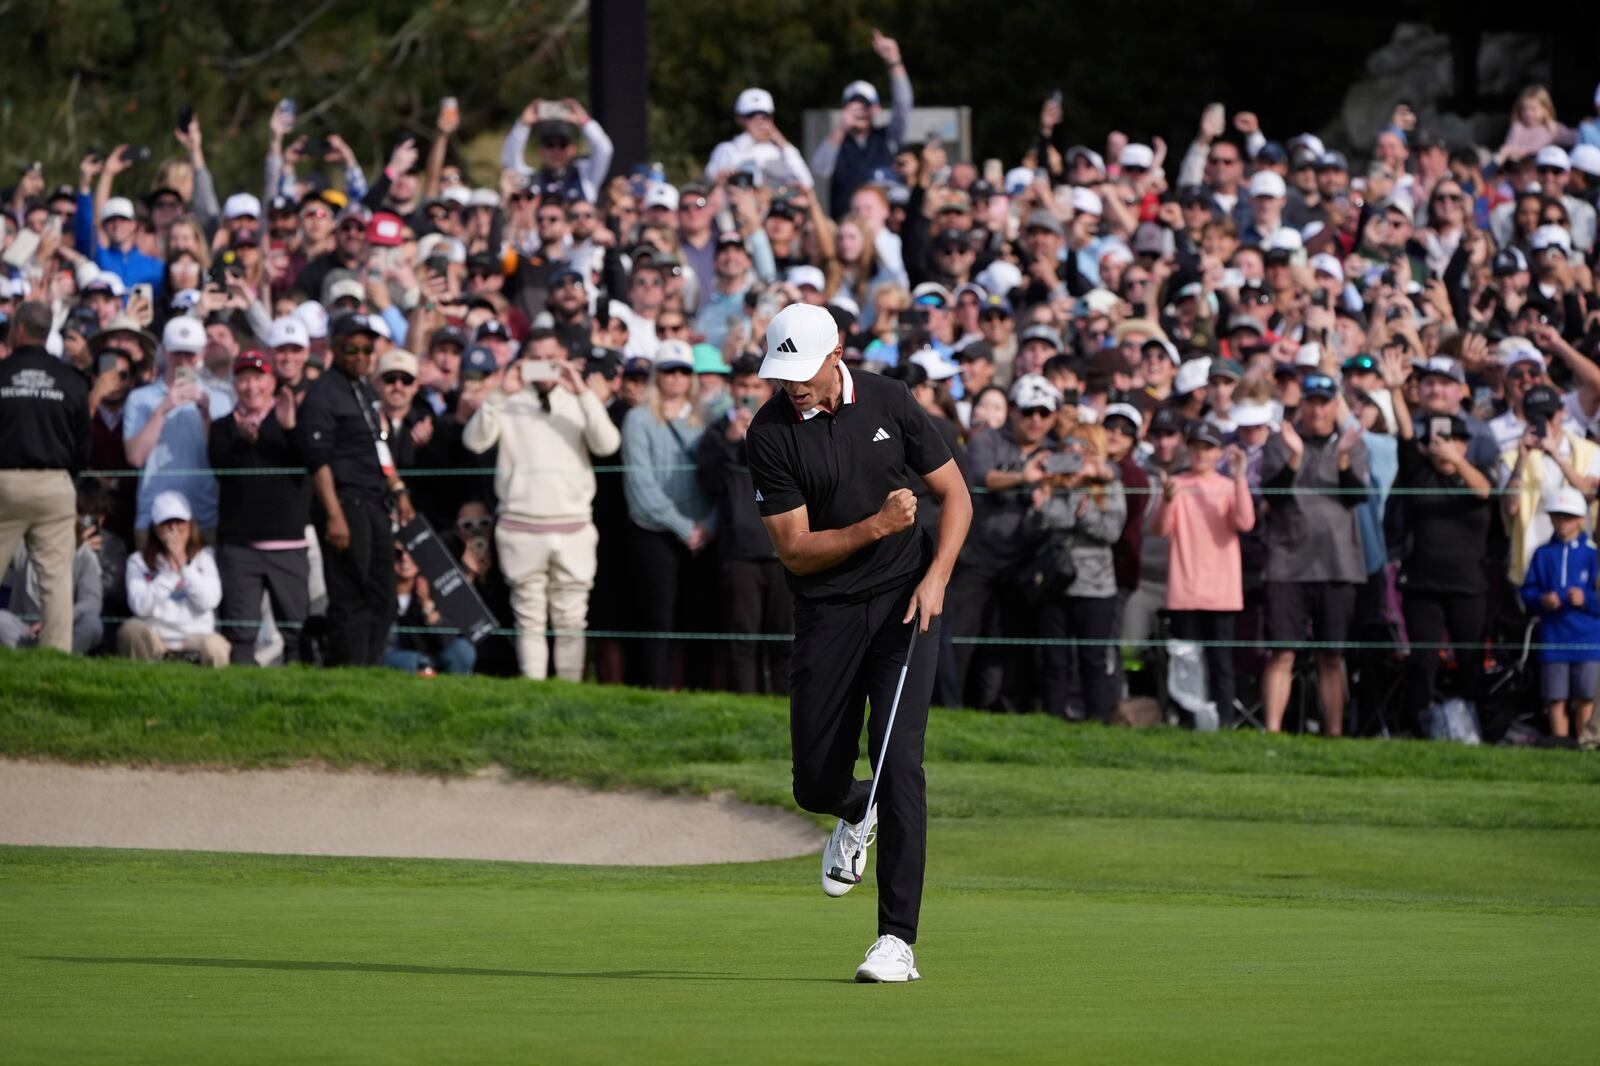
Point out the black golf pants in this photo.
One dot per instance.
(845, 656)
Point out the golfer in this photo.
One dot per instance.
(832, 457)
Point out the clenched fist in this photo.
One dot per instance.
(899, 512)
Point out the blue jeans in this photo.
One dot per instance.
(458, 657)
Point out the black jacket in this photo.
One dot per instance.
(44, 413)
(252, 507)
(724, 472)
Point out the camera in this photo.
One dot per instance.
(185, 118)
(136, 153)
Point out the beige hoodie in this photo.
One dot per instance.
(542, 472)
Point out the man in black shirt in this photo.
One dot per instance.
(44, 442)
(831, 458)
(261, 518)
(352, 473)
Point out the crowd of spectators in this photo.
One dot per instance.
(1259, 413)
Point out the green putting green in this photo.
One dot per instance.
(1093, 896)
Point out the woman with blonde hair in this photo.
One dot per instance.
(185, 235)
(854, 268)
(1083, 505)
(672, 520)
(1533, 126)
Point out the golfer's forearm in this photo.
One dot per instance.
(810, 553)
(955, 518)
(327, 495)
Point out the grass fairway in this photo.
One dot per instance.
(1093, 896)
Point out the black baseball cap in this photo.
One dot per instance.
(448, 335)
(1203, 433)
(1167, 420)
(607, 362)
(350, 324)
(1541, 400)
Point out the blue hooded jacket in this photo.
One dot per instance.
(1557, 567)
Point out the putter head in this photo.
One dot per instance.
(844, 877)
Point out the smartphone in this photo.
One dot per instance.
(136, 153)
(538, 371)
(106, 364)
(185, 118)
(286, 108)
(449, 107)
(317, 148)
(550, 111)
(1439, 427)
(142, 291)
(1487, 299)
(23, 247)
(1319, 298)
(1056, 97)
(750, 403)
(914, 318)
(994, 172)
(1216, 115)
(1066, 462)
(1232, 278)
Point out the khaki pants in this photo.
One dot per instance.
(549, 572)
(42, 506)
(138, 640)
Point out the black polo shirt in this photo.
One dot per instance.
(840, 467)
(339, 428)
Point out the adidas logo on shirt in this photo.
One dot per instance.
(882, 434)
(760, 498)
(788, 346)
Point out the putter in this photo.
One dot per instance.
(852, 876)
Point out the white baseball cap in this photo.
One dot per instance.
(1551, 237)
(1000, 276)
(661, 195)
(806, 274)
(1123, 410)
(1324, 263)
(799, 339)
(754, 102)
(1267, 183)
(184, 334)
(456, 194)
(241, 205)
(1553, 155)
(168, 506)
(346, 289)
(314, 317)
(1513, 350)
(1192, 375)
(483, 198)
(1567, 500)
(288, 331)
(934, 364)
(1285, 239)
(1586, 157)
(1087, 201)
(1246, 415)
(1137, 155)
(864, 90)
(1309, 355)
(117, 207)
(1033, 390)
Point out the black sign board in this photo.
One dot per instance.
(458, 602)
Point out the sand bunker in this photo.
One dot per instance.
(323, 812)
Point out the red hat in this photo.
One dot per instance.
(386, 230)
(252, 360)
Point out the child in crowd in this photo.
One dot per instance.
(1202, 514)
(1560, 586)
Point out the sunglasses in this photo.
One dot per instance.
(1550, 170)
(356, 349)
(555, 142)
(674, 370)
(1553, 220)
(523, 197)
(353, 227)
(648, 283)
(671, 327)
(398, 378)
(166, 205)
(1038, 412)
(692, 203)
(475, 525)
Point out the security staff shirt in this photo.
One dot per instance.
(841, 467)
(44, 413)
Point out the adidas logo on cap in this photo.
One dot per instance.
(788, 346)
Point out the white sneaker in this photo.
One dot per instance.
(889, 960)
(839, 857)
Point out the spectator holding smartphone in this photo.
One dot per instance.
(173, 591)
(1560, 589)
(1201, 514)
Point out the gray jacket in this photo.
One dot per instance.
(1090, 535)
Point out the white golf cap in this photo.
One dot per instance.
(1123, 410)
(1000, 277)
(1566, 500)
(1192, 375)
(1246, 415)
(1137, 155)
(380, 327)
(1076, 152)
(457, 194)
(1553, 155)
(483, 198)
(1324, 263)
(288, 331)
(1285, 239)
(346, 289)
(1017, 179)
(860, 90)
(1513, 350)
(1032, 390)
(117, 207)
(1586, 157)
(241, 205)
(1309, 355)
(934, 364)
(184, 334)
(661, 195)
(168, 506)
(1266, 183)
(1087, 202)
(754, 102)
(806, 274)
(799, 339)
(1551, 237)
(314, 317)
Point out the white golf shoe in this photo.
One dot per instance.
(888, 961)
(841, 870)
